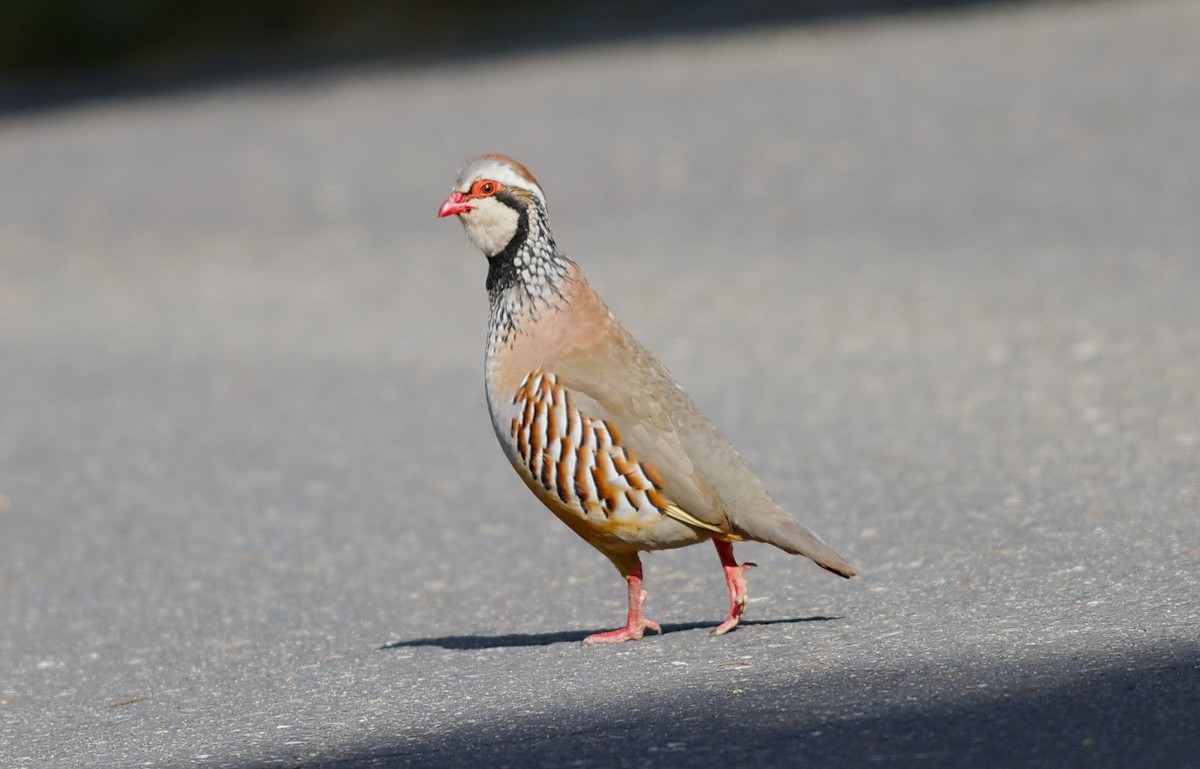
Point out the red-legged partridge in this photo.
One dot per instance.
(591, 421)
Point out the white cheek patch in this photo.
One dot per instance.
(490, 225)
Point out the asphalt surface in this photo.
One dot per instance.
(937, 277)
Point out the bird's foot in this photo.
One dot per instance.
(635, 623)
(729, 624)
(737, 587)
(630, 632)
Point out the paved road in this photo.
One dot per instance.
(935, 276)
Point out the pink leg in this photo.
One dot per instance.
(737, 586)
(636, 624)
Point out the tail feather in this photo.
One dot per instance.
(788, 534)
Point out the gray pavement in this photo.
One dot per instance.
(937, 277)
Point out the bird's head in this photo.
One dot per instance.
(492, 196)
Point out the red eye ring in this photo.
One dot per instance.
(485, 188)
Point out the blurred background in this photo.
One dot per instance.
(49, 49)
(931, 266)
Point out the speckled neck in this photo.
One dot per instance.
(525, 278)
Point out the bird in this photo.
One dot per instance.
(592, 422)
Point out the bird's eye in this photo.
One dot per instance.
(483, 189)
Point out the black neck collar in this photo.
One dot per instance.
(502, 268)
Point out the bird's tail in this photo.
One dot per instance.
(788, 534)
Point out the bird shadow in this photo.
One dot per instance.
(517, 640)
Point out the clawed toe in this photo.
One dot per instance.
(627, 633)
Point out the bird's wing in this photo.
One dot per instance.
(640, 422)
(638, 407)
(701, 473)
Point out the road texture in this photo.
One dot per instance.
(937, 277)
